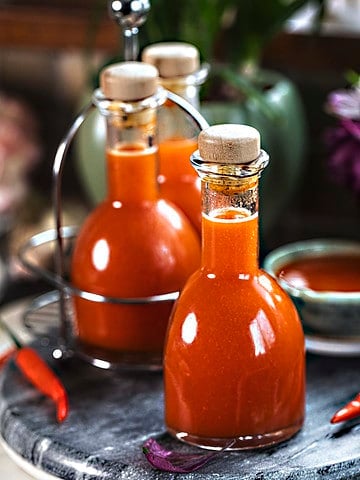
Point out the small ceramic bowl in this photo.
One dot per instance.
(334, 315)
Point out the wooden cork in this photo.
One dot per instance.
(172, 59)
(229, 144)
(129, 81)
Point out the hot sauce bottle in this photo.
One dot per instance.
(134, 244)
(234, 357)
(180, 72)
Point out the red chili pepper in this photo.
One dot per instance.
(37, 371)
(348, 412)
(43, 378)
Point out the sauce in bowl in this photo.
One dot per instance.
(335, 272)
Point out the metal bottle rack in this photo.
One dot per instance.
(62, 235)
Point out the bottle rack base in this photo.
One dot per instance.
(108, 359)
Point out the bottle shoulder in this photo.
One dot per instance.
(244, 292)
(156, 241)
(159, 213)
(251, 312)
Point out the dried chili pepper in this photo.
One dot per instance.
(37, 371)
(171, 461)
(348, 412)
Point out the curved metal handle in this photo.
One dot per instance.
(188, 108)
(65, 332)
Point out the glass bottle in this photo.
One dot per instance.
(234, 357)
(134, 244)
(180, 72)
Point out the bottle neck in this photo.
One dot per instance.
(173, 123)
(188, 86)
(186, 90)
(131, 155)
(230, 225)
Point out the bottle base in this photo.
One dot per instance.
(119, 360)
(243, 442)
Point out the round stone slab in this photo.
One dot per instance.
(112, 414)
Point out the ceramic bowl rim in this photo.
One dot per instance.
(295, 250)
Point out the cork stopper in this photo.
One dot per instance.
(172, 59)
(129, 81)
(229, 144)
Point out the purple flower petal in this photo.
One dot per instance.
(170, 461)
(353, 127)
(344, 103)
(343, 141)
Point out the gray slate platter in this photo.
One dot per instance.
(112, 414)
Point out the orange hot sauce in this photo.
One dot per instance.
(234, 362)
(120, 253)
(337, 273)
(178, 180)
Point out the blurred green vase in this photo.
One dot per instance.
(283, 135)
